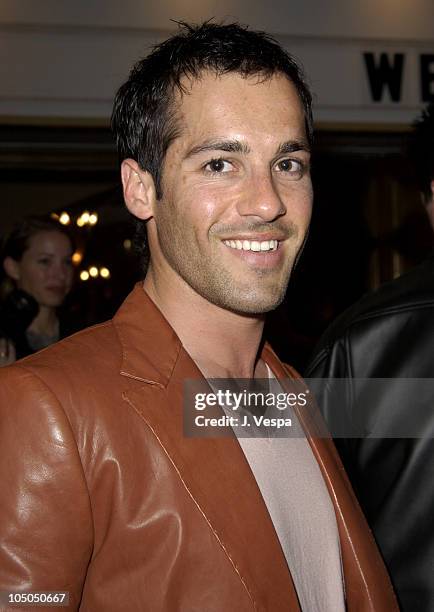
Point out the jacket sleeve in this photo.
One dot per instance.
(329, 376)
(46, 531)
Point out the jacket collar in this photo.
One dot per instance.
(141, 328)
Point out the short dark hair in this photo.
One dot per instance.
(422, 150)
(144, 117)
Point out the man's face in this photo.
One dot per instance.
(237, 193)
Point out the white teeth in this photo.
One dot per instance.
(252, 245)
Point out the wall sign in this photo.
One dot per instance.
(386, 73)
(355, 82)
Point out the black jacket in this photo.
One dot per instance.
(389, 334)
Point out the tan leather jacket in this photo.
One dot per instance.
(104, 497)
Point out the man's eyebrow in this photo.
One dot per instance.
(290, 146)
(228, 146)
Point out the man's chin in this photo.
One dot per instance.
(254, 305)
(254, 298)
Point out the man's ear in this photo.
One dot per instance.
(139, 190)
(12, 268)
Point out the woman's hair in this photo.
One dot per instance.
(17, 242)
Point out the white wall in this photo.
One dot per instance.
(385, 19)
(65, 58)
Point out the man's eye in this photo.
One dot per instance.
(292, 166)
(218, 166)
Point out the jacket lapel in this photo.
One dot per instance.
(213, 470)
(364, 572)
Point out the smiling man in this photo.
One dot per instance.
(105, 497)
(235, 204)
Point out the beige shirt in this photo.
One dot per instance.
(302, 513)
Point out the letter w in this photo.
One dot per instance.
(385, 73)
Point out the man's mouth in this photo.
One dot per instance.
(252, 245)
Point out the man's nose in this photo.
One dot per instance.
(262, 199)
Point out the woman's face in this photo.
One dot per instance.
(45, 269)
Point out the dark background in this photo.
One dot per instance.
(368, 224)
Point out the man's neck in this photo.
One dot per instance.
(222, 343)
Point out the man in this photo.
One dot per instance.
(386, 443)
(106, 497)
